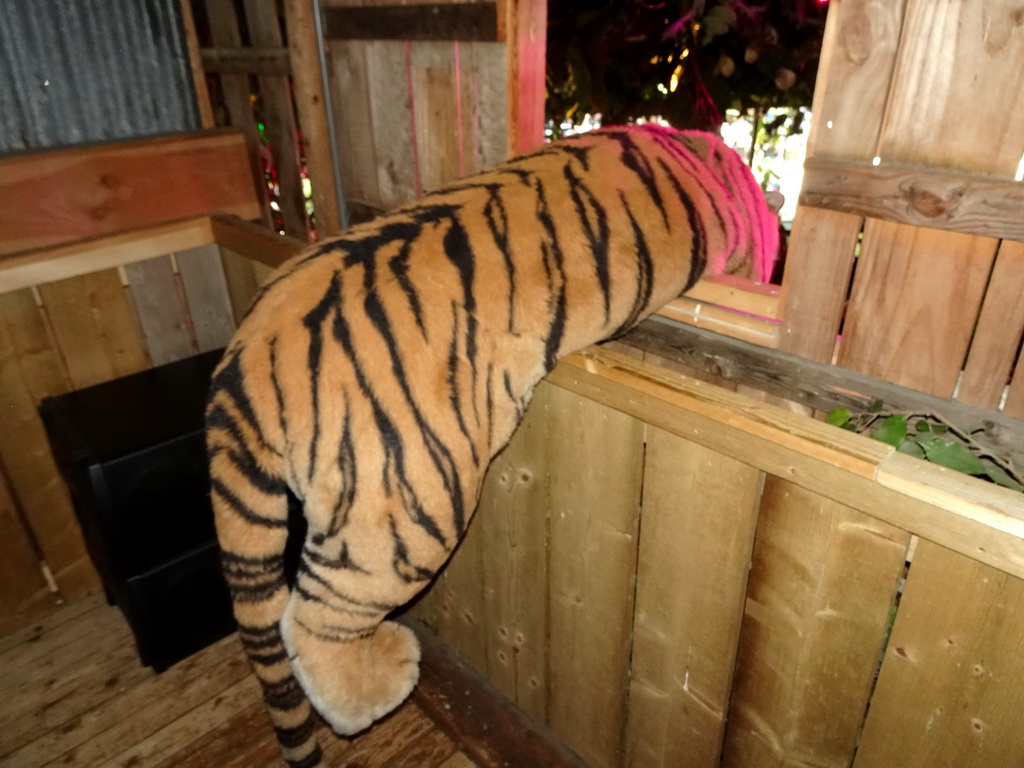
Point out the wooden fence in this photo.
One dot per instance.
(669, 574)
(909, 204)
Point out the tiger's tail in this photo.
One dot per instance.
(250, 504)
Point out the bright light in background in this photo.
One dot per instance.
(673, 82)
(1020, 170)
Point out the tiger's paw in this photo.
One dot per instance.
(352, 684)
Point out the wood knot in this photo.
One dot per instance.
(931, 205)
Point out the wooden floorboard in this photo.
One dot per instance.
(75, 694)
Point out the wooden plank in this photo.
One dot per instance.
(303, 49)
(206, 292)
(831, 462)
(436, 104)
(855, 73)
(489, 728)
(235, 743)
(698, 520)
(95, 327)
(949, 694)
(45, 636)
(461, 617)
(739, 294)
(64, 195)
(236, 91)
(383, 744)
(484, 81)
(24, 594)
(526, 21)
(30, 369)
(254, 242)
(279, 118)
(44, 265)
(391, 112)
(926, 123)
(821, 589)
(514, 521)
(822, 387)
(72, 693)
(203, 104)
(958, 202)
(353, 121)
(60, 622)
(272, 60)
(432, 748)
(483, 96)
(857, 62)
(594, 517)
(952, 491)
(60, 656)
(735, 325)
(915, 301)
(161, 310)
(818, 268)
(242, 282)
(997, 336)
(187, 728)
(477, 21)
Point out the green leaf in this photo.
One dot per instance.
(956, 456)
(999, 475)
(939, 429)
(923, 426)
(911, 448)
(839, 417)
(876, 407)
(892, 431)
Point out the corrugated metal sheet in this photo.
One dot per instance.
(85, 71)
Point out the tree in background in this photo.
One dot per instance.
(686, 61)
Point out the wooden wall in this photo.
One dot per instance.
(422, 97)
(77, 312)
(909, 204)
(670, 574)
(416, 95)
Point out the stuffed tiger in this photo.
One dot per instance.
(377, 374)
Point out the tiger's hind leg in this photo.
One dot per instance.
(352, 679)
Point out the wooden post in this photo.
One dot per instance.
(527, 37)
(265, 30)
(188, 23)
(303, 50)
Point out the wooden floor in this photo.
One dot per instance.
(72, 693)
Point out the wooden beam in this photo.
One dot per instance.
(303, 51)
(526, 21)
(756, 330)
(46, 265)
(475, 22)
(959, 202)
(253, 241)
(203, 103)
(49, 198)
(738, 294)
(247, 61)
(817, 385)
